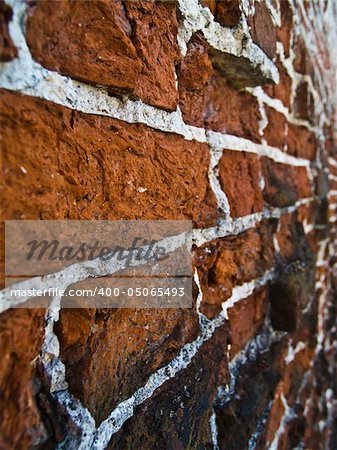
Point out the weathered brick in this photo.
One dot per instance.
(81, 166)
(231, 261)
(127, 47)
(282, 90)
(239, 175)
(302, 62)
(284, 31)
(301, 142)
(207, 100)
(109, 354)
(254, 387)
(284, 184)
(246, 319)
(178, 414)
(21, 335)
(304, 105)
(262, 29)
(227, 13)
(294, 139)
(8, 50)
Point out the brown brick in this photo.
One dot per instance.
(81, 166)
(109, 354)
(231, 261)
(282, 90)
(294, 139)
(8, 50)
(239, 174)
(262, 29)
(304, 105)
(177, 416)
(127, 47)
(284, 184)
(227, 13)
(21, 335)
(246, 319)
(284, 31)
(302, 62)
(301, 142)
(275, 131)
(207, 100)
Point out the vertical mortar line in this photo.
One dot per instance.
(213, 176)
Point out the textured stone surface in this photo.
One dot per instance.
(162, 377)
(254, 389)
(127, 47)
(239, 174)
(7, 48)
(78, 166)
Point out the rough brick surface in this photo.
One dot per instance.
(7, 48)
(141, 109)
(209, 101)
(132, 51)
(240, 175)
(80, 166)
(284, 184)
(231, 261)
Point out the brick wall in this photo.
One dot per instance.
(220, 112)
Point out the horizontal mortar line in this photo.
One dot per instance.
(79, 272)
(332, 177)
(231, 227)
(96, 268)
(100, 103)
(221, 142)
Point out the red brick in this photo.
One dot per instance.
(239, 175)
(246, 319)
(284, 184)
(262, 29)
(294, 139)
(8, 50)
(109, 354)
(231, 261)
(207, 100)
(127, 47)
(301, 142)
(81, 166)
(284, 31)
(21, 335)
(281, 90)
